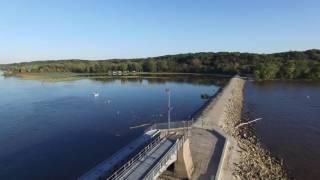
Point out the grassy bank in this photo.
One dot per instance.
(49, 77)
(67, 76)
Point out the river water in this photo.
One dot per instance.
(60, 130)
(290, 127)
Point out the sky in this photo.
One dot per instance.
(103, 29)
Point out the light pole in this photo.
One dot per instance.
(169, 106)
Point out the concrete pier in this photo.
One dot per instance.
(184, 166)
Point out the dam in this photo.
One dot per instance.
(192, 149)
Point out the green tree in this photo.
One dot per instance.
(315, 71)
(149, 66)
(162, 66)
(123, 67)
(195, 65)
(290, 69)
(266, 71)
(302, 69)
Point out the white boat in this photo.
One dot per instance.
(95, 94)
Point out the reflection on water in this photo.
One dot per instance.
(291, 122)
(195, 80)
(59, 130)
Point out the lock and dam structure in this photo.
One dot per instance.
(197, 149)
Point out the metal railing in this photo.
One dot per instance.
(177, 126)
(163, 161)
(184, 126)
(118, 174)
(173, 125)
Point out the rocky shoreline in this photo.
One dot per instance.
(255, 162)
(244, 156)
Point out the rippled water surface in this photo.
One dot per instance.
(291, 123)
(60, 130)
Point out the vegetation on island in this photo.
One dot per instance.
(285, 65)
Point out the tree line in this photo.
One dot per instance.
(285, 65)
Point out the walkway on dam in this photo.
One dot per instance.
(142, 144)
(148, 163)
(206, 146)
(206, 149)
(141, 168)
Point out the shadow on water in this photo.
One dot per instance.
(63, 156)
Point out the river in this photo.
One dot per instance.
(59, 130)
(290, 127)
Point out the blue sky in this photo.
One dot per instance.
(94, 29)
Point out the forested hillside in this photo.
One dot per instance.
(286, 65)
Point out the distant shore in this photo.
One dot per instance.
(67, 76)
